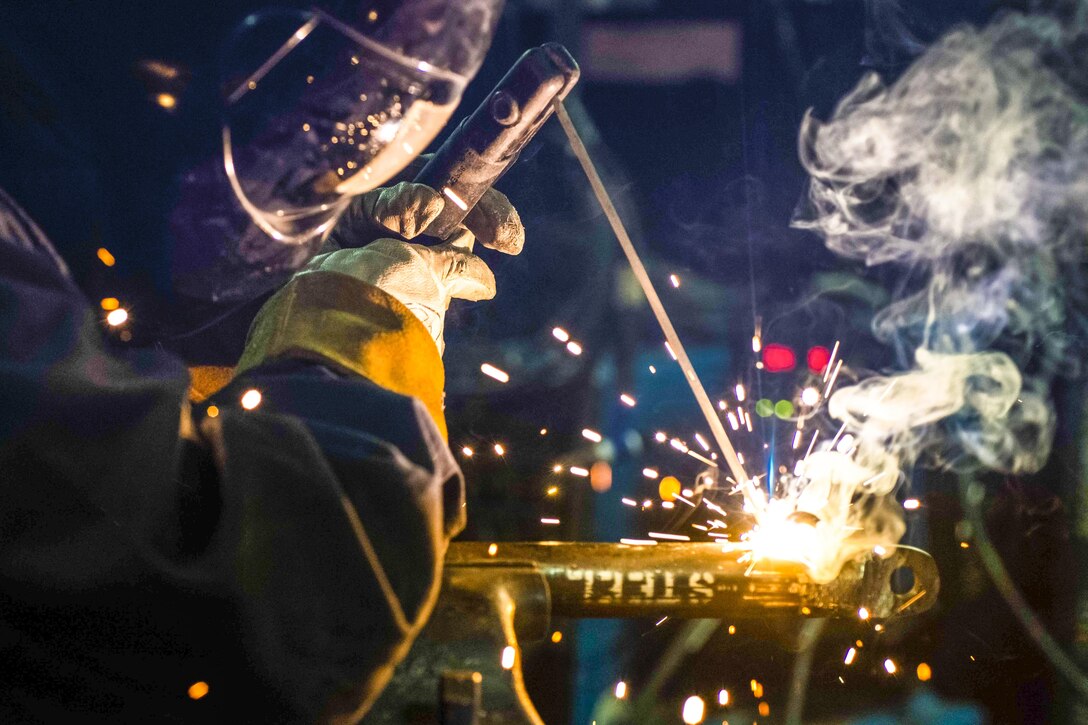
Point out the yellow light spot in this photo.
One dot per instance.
(166, 100)
(579, 471)
(964, 545)
(889, 665)
(764, 709)
(851, 655)
(560, 334)
(251, 399)
(863, 613)
(543, 431)
(552, 490)
(110, 303)
(306, 127)
(105, 257)
(757, 691)
(557, 636)
(694, 710)
(117, 317)
(600, 476)
(649, 473)
(557, 468)
(859, 644)
(372, 15)
(912, 504)
(668, 488)
(592, 435)
(499, 450)
(467, 452)
(924, 672)
(492, 549)
(574, 348)
(723, 697)
(621, 690)
(198, 690)
(508, 655)
(806, 611)
(627, 400)
(213, 411)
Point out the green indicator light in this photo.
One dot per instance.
(764, 408)
(783, 409)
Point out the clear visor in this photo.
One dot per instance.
(318, 112)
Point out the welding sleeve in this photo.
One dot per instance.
(259, 565)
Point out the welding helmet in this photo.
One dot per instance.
(317, 109)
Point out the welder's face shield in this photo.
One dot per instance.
(316, 112)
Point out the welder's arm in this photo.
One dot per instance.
(285, 555)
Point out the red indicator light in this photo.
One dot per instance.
(818, 358)
(778, 358)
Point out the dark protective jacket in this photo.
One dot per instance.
(280, 559)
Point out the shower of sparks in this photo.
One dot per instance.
(493, 372)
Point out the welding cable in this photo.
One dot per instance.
(972, 494)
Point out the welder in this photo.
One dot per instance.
(270, 553)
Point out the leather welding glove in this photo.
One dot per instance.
(406, 209)
(423, 279)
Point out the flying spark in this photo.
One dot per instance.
(493, 372)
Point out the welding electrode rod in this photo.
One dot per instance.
(715, 423)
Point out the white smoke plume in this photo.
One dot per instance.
(970, 172)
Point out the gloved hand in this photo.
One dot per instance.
(407, 208)
(423, 279)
